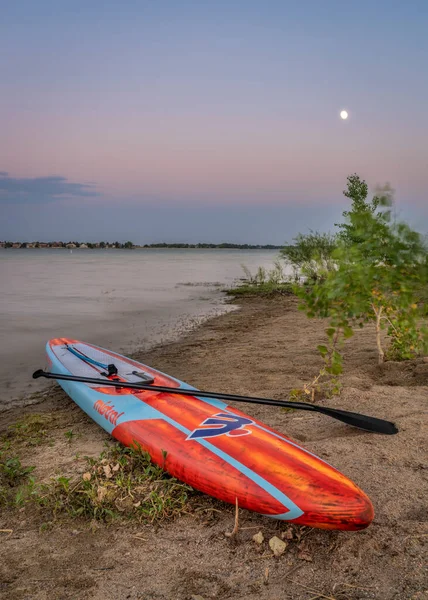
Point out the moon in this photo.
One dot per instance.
(344, 114)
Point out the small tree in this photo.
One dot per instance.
(357, 191)
(379, 269)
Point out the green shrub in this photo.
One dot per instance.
(311, 256)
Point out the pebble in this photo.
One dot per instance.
(258, 537)
(277, 546)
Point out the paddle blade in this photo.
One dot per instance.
(38, 373)
(361, 421)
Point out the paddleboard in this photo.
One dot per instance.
(208, 444)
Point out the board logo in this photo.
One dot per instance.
(107, 410)
(221, 424)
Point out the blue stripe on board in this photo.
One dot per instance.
(86, 358)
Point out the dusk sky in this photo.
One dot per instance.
(207, 121)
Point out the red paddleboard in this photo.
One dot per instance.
(213, 447)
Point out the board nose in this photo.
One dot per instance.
(352, 512)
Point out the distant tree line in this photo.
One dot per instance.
(130, 245)
(223, 245)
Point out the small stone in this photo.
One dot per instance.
(277, 546)
(258, 538)
(86, 476)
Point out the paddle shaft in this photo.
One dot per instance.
(355, 419)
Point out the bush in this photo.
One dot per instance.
(379, 270)
(311, 256)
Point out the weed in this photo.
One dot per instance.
(11, 470)
(70, 435)
(13, 489)
(46, 526)
(24, 492)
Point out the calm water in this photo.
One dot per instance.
(125, 300)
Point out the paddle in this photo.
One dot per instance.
(350, 418)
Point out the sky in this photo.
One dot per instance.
(189, 121)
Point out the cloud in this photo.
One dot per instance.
(40, 190)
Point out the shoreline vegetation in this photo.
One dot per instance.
(346, 329)
(372, 270)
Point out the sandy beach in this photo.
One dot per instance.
(266, 348)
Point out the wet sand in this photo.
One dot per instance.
(265, 349)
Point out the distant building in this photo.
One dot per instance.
(71, 246)
(83, 246)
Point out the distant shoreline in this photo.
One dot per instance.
(145, 247)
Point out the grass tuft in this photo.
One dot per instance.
(120, 483)
(263, 283)
(261, 289)
(32, 430)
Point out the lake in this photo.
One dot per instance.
(121, 299)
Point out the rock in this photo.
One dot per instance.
(258, 538)
(277, 546)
